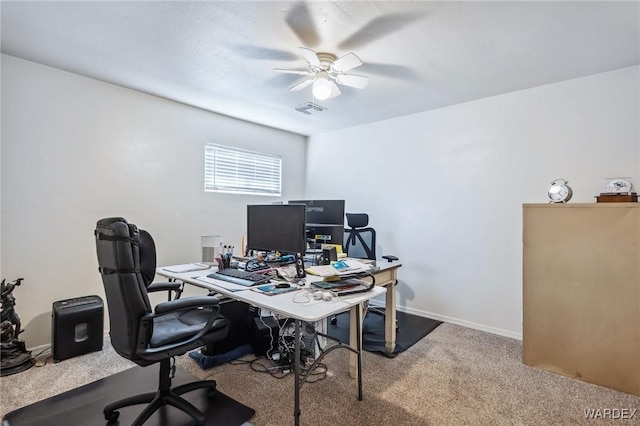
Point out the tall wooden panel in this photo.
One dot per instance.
(581, 292)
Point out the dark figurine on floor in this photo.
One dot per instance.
(14, 356)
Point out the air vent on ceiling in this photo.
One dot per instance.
(309, 108)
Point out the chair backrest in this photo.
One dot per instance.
(359, 239)
(118, 250)
(147, 257)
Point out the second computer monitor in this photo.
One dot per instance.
(325, 220)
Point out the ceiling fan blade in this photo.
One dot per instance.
(304, 83)
(389, 70)
(264, 53)
(378, 28)
(353, 80)
(346, 63)
(298, 72)
(310, 56)
(334, 91)
(301, 23)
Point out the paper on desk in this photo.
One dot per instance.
(222, 284)
(354, 266)
(188, 267)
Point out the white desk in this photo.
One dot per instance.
(292, 305)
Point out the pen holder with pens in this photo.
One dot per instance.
(224, 261)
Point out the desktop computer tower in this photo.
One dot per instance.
(77, 327)
(240, 316)
(266, 332)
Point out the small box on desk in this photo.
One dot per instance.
(329, 254)
(630, 197)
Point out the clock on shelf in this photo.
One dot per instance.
(560, 191)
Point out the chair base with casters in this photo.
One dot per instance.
(376, 310)
(368, 309)
(165, 395)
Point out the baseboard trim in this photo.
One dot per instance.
(41, 348)
(452, 320)
(443, 318)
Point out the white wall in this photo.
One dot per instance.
(75, 150)
(445, 188)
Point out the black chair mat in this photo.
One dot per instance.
(84, 405)
(411, 328)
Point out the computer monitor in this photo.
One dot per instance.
(323, 212)
(325, 221)
(276, 227)
(324, 234)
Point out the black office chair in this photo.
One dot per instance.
(360, 243)
(148, 265)
(145, 336)
(359, 239)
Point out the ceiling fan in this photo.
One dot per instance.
(325, 70)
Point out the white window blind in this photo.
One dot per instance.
(228, 169)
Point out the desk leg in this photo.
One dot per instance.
(390, 316)
(355, 339)
(296, 365)
(359, 345)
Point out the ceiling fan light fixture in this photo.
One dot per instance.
(327, 73)
(321, 88)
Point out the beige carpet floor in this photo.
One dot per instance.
(454, 376)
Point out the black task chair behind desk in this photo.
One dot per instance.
(359, 239)
(360, 243)
(147, 336)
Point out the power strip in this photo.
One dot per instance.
(284, 361)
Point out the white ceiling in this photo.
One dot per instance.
(220, 55)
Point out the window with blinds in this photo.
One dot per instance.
(238, 171)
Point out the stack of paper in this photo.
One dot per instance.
(186, 267)
(342, 267)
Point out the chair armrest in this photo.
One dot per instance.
(390, 257)
(146, 324)
(164, 286)
(186, 303)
